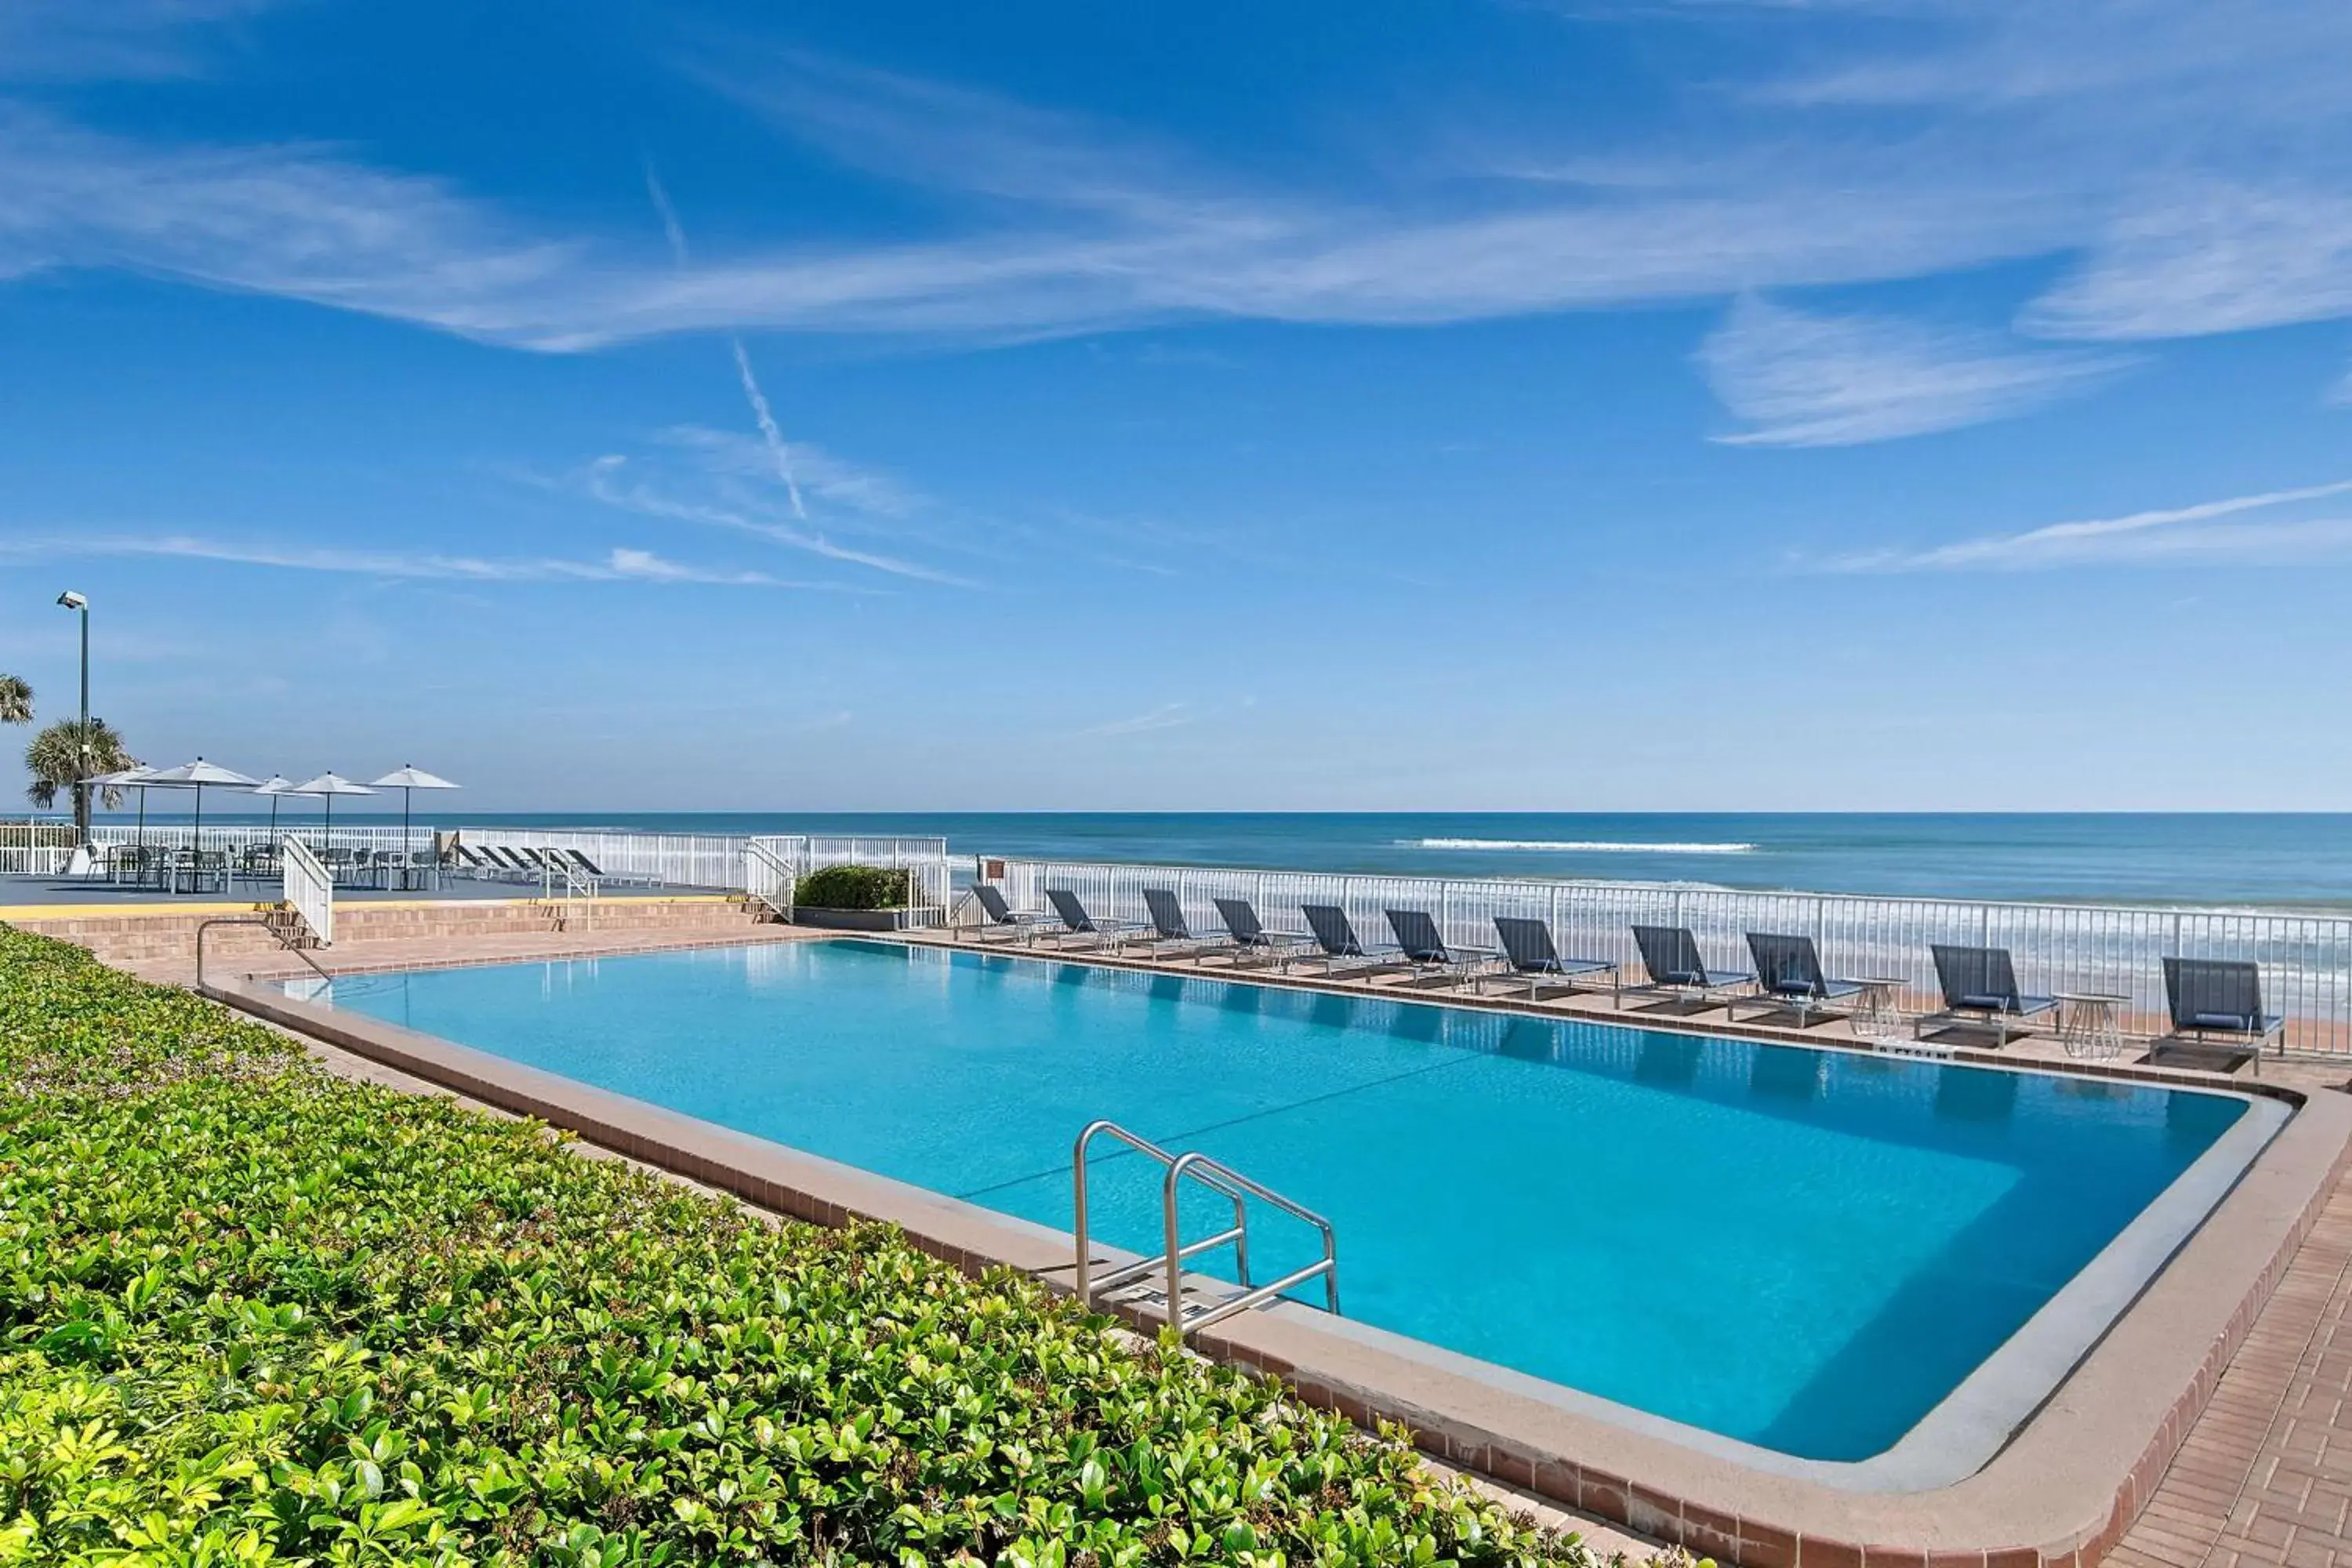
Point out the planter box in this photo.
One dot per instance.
(852, 920)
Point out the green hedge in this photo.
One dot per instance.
(251, 1312)
(852, 888)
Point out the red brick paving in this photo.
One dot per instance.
(2264, 1479)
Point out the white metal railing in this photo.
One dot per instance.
(930, 872)
(709, 861)
(2306, 960)
(37, 847)
(769, 874)
(309, 890)
(712, 860)
(239, 836)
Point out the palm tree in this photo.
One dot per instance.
(56, 759)
(15, 702)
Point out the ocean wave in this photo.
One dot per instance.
(1577, 846)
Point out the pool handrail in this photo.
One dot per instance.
(1084, 1281)
(1214, 1173)
(1219, 1178)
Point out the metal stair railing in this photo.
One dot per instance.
(1227, 1183)
(309, 888)
(284, 940)
(769, 878)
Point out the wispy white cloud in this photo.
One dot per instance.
(833, 479)
(1798, 379)
(2211, 258)
(609, 481)
(2001, 131)
(620, 565)
(2201, 533)
(1167, 716)
(293, 221)
(78, 40)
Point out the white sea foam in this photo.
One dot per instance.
(1578, 845)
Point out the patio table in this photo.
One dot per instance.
(1879, 1006)
(2090, 1023)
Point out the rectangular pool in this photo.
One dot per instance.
(1802, 1251)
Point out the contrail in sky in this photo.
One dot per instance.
(675, 233)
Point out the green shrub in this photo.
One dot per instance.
(251, 1312)
(852, 888)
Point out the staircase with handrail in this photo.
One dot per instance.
(769, 878)
(1218, 1177)
(567, 889)
(309, 890)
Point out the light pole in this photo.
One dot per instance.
(73, 601)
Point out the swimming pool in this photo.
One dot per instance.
(1805, 1251)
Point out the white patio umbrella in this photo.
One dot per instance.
(195, 775)
(330, 784)
(404, 778)
(273, 786)
(136, 776)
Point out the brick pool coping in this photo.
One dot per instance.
(2062, 1491)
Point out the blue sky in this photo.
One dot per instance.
(1485, 405)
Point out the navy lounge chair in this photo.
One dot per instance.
(2221, 996)
(1980, 987)
(1528, 945)
(1076, 921)
(1251, 938)
(1424, 947)
(1789, 976)
(997, 915)
(504, 861)
(1337, 943)
(1670, 955)
(601, 875)
(1169, 928)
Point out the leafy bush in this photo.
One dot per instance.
(251, 1312)
(852, 888)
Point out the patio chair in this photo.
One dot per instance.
(1670, 957)
(998, 915)
(2221, 996)
(1169, 928)
(1425, 947)
(1789, 978)
(1980, 988)
(1076, 921)
(1527, 946)
(1336, 942)
(513, 865)
(1251, 939)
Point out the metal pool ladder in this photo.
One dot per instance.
(1222, 1180)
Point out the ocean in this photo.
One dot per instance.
(2274, 860)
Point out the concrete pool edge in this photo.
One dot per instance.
(2065, 1489)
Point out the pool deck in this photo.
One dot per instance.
(2239, 1454)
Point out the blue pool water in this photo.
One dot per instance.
(1802, 1249)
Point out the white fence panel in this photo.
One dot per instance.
(2306, 960)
